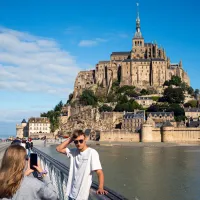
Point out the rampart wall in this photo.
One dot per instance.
(119, 135)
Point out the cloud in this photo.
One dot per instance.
(30, 63)
(90, 43)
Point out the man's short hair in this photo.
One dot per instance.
(77, 133)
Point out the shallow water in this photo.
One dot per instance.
(148, 173)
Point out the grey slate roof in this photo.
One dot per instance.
(158, 59)
(138, 115)
(104, 61)
(160, 113)
(23, 121)
(167, 124)
(192, 109)
(121, 53)
(143, 98)
(137, 60)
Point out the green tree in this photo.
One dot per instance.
(88, 98)
(190, 90)
(174, 95)
(124, 88)
(191, 103)
(58, 107)
(175, 80)
(158, 107)
(105, 108)
(144, 92)
(166, 83)
(155, 98)
(70, 98)
(196, 93)
(184, 86)
(128, 106)
(179, 112)
(53, 116)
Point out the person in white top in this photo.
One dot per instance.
(84, 161)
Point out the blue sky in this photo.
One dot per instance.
(43, 45)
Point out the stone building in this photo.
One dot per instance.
(144, 101)
(192, 113)
(22, 129)
(146, 65)
(132, 121)
(39, 127)
(160, 117)
(193, 117)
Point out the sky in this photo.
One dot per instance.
(45, 43)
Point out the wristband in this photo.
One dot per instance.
(42, 174)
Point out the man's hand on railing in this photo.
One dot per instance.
(101, 191)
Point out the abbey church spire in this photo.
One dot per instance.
(138, 49)
(138, 33)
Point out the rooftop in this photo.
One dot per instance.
(143, 98)
(160, 114)
(192, 109)
(167, 124)
(23, 121)
(121, 53)
(38, 120)
(136, 115)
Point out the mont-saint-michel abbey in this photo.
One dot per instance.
(146, 65)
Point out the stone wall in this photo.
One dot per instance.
(169, 134)
(119, 136)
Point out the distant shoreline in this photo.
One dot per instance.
(139, 144)
(120, 144)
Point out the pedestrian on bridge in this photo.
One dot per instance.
(15, 182)
(84, 161)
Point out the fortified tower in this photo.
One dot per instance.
(22, 130)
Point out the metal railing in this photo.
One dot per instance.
(58, 174)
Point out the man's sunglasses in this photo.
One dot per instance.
(78, 141)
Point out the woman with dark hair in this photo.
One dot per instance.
(15, 182)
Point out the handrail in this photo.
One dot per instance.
(63, 171)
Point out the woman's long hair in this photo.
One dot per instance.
(12, 170)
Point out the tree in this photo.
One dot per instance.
(105, 108)
(158, 107)
(144, 92)
(175, 80)
(191, 103)
(58, 107)
(166, 83)
(88, 98)
(184, 86)
(179, 112)
(124, 88)
(70, 98)
(190, 90)
(129, 106)
(53, 116)
(155, 98)
(115, 83)
(174, 95)
(196, 93)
